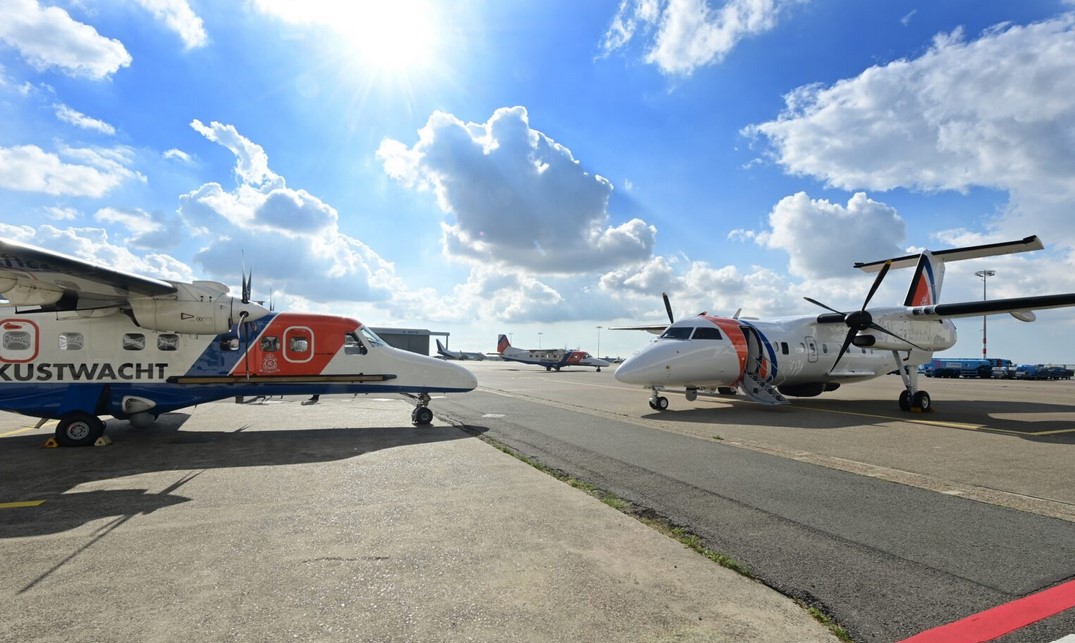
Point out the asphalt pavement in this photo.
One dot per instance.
(339, 522)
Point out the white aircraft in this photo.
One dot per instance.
(81, 341)
(551, 359)
(463, 355)
(806, 356)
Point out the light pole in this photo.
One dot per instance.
(599, 342)
(985, 275)
(539, 339)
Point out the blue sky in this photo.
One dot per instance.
(550, 167)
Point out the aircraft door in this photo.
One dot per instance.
(761, 359)
(811, 349)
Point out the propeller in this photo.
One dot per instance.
(668, 308)
(860, 320)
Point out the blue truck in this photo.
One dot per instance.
(972, 367)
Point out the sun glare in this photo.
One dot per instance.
(390, 36)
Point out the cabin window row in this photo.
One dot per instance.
(20, 340)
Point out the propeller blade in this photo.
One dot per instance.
(668, 308)
(818, 303)
(877, 283)
(843, 349)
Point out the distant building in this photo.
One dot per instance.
(415, 340)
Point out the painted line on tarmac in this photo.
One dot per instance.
(984, 428)
(1003, 619)
(21, 504)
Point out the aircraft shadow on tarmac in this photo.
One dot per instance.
(1037, 422)
(34, 473)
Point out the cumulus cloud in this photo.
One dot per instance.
(49, 37)
(683, 35)
(149, 231)
(89, 172)
(180, 18)
(993, 112)
(519, 198)
(78, 119)
(824, 239)
(291, 235)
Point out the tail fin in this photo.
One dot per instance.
(925, 287)
(440, 347)
(502, 343)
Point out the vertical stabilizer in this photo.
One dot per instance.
(502, 343)
(925, 287)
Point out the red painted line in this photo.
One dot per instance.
(995, 622)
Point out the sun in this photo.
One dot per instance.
(389, 36)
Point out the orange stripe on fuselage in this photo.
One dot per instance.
(326, 340)
(732, 329)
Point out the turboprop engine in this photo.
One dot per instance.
(200, 308)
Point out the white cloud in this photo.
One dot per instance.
(178, 155)
(49, 37)
(146, 230)
(93, 173)
(61, 214)
(688, 34)
(519, 198)
(291, 235)
(996, 112)
(78, 119)
(824, 239)
(180, 18)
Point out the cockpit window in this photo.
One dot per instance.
(703, 332)
(371, 337)
(677, 332)
(352, 345)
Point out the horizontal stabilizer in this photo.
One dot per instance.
(958, 254)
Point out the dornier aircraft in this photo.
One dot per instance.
(551, 358)
(807, 356)
(79, 341)
(462, 355)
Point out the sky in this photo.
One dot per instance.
(548, 169)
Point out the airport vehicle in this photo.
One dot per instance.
(807, 356)
(462, 355)
(551, 359)
(979, 367)
(81, 341)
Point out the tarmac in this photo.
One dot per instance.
(339, 521)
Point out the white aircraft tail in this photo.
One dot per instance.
(925, 289)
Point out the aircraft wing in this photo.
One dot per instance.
(31, 276)
(1026, 244)
(656, 329)
(996, 306)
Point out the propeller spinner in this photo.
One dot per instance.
(861, 320)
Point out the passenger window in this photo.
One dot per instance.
(703, 332)
(71, 341)
(298, 345)
(270, 344)
(17, 340)
(168, 342)
(134, 341)
(229, 344)
(784, 348)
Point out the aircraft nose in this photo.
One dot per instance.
(458, 377)
(643, 368)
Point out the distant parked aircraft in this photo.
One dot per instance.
(551, 359)
(447, 354)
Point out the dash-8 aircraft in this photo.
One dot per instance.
(807, 356)
(79, 341)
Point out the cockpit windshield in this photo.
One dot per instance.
(677, 332)
(371, 337)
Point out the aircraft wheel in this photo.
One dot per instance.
(79, 429)
(548, 368)
(557, 368)
(598, 369)
(905, 401)
(661, 403)
(726, 390)
(421, 416)
(921, 401)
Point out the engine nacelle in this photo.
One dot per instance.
(190, 317)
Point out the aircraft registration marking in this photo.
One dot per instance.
(21, 504)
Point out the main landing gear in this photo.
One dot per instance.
(421, 416)
(658, 402)
(79, 429)
(912, 399)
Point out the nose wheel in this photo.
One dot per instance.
(421, 416)
(658, 402)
